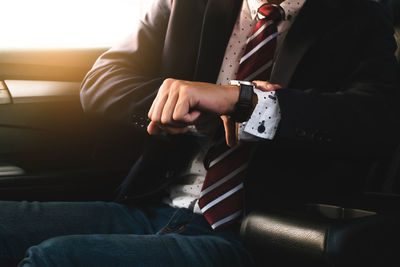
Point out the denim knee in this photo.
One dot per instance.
(47, 253)
(35, 256)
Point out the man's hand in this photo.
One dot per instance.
(231, 127)
(179, 104)
(266, 86)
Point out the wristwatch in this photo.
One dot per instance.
(245, 102)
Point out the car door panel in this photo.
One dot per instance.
(47, 64)
(49, 149)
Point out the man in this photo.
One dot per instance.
(330, 85)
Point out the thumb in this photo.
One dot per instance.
(192, 116)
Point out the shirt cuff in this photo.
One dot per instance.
(264, 120)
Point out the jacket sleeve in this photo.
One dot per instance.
(359, 106)
(124, 80)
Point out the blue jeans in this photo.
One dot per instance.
(112, 234)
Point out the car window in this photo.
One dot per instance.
(67, 23)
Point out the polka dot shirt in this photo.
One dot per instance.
(186, 192)
(265, 118)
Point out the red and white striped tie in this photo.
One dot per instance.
(257, 60)
(222, 195)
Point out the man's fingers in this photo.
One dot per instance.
(151, 110)
(183, 113)
(156, 129)
(192, 116)
(157, 107)
(236, 132)
(230, 131)
(153, 129)
(169, 107)
(176, 130)
(160, 100)
(266, 86)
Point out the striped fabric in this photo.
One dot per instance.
(222, 195)
(256, 62)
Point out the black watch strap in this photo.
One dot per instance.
(245, 103)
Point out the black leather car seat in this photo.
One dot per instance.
(364, 232)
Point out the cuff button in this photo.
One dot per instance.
(261, 128)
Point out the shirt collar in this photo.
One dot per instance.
(255, 4)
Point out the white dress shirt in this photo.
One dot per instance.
(267, 113)
(186, 192)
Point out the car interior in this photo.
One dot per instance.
(51, 151)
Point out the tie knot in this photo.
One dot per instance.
(272, 12)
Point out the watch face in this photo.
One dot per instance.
(238, 83)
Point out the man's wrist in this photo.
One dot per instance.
(245, 104)
(265, 118)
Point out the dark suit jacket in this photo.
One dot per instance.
(338, 101)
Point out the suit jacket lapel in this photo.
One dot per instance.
(310, 23)
(219, 19)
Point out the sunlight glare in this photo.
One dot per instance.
(68, 23)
